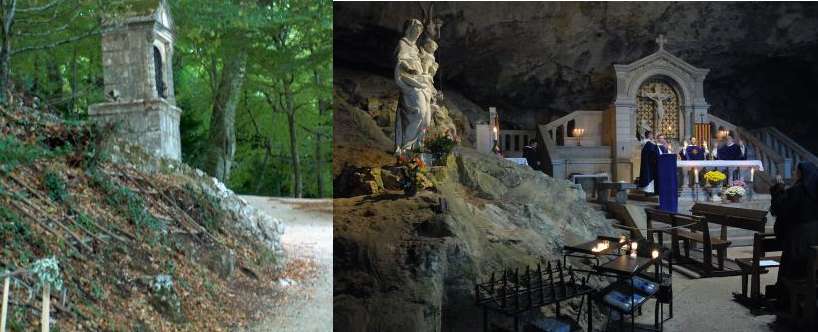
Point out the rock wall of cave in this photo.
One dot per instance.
(538, 61)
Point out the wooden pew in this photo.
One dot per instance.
(697, 232)
(727, 216)
(762, 244)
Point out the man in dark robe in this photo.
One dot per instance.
(530, 154)
(730, 150)
(647, 169)
(662, 144)
(796, 222)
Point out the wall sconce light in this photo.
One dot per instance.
(578, 132)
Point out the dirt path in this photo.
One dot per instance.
(307, 305)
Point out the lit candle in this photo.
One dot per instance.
(752, 172)
(696, 175)
(633, 248)
(622, 239)
(654, 253)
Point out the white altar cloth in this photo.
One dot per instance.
(720, 163)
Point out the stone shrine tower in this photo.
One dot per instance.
(137, 53)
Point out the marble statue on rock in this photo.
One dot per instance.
(414, 110)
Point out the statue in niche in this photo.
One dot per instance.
(642, 126)
(658, 98)
(414, 110)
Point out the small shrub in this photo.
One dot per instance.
(130, 203)
(14, 153)
(47, 271)
(440, 146)
(56, 186)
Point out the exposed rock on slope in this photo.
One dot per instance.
(142, 243)
(405, 264)
(401, 264)
(540, 60)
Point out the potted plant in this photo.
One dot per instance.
(440, 147)
(734, 193)
(714, 179)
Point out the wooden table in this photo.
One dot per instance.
(627, 266)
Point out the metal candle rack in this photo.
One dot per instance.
(513, 294)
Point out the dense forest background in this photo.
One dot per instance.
(253, 79)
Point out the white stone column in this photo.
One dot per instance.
(624, 139)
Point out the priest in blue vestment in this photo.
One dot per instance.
(693, 151)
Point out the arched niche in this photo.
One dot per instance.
(686, 81)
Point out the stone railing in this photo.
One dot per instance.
(774, 163)
(784, 145)
(559, 134)
(513, 141)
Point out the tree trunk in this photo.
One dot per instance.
(222, 135)
(53, 76)
(74, 83)
(319, 161)
(298, 184)
(9, 9)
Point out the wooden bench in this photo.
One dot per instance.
(728, 216)
(803, 309)
(762, 244)
(697, 232)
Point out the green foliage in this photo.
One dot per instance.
(14, 153)
(97, 291)
(440, 146)
(285, 39)
(131, 204)
(56, 187)
(266, 257)
(207, 206)
(57, 57)
(47, 271)
(12, 228)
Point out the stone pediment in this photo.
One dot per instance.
(140, 11)
(663, 58)
(688, 79)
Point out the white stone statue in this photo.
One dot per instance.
(642, 127)
(429, 65)
(658, 98)
(414, 111)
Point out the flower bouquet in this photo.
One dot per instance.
(714, 177)
(735, 193)
(412, 177)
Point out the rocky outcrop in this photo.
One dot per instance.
(542, 60)
(250, 221)
(410, 263)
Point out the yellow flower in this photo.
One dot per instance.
(715, 176)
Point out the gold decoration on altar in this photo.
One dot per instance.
(647, 107)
